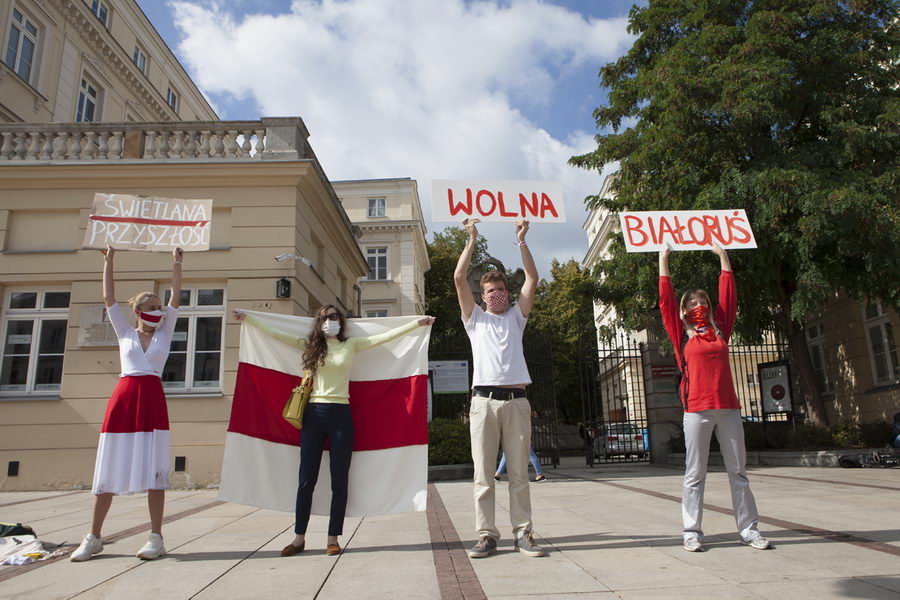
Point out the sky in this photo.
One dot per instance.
(427, 89)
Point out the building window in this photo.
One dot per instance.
(88, 97)
(815, 338)
(376, 314)
(195, 360)
(101, 11)
(376, 207)
(22, 45)
(139, 58)
(34, 330)
(172, 98)
(882, 345)
(377, 258)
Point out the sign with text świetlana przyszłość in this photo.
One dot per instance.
(148, 223)
(651, 231)
(497, 200)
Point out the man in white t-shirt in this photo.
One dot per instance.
(500, 413)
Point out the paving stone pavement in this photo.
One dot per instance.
(611, 531)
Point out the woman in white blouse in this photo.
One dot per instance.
(133, 455)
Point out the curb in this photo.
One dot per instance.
(450, 472)
(814, 458)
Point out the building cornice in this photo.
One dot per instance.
(102, 41)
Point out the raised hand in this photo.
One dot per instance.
(178, 255)
(425, 321)
(469, 224)
(238, 314)
(109, 252)
(521, 229)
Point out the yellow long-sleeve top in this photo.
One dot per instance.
(332, 380)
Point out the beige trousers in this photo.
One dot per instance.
(493, 423)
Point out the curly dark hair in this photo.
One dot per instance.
(317, 343)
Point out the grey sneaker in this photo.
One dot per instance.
(526, 546)
(693, 544)
(758, 543)
(89, 546)
(485, 547)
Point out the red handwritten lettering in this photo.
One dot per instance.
(481, 194)
(547, 206)
(531, 206)
(633, 225)
(503, 211)
(455, 208)
(734, 224)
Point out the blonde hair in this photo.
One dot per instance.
(137, 300)
(685, 298)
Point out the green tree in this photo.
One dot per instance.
(786, 108)
(440, 291)
(563, 314)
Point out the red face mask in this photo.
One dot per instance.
(698, 316)
(496, 300)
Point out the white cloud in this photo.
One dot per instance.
(425, 89)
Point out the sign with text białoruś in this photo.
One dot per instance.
(650, 231)
(148, 223)
(499, 200)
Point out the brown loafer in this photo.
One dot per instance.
(333, 550)
(291, 549)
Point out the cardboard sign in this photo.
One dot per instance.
(148, 223)
(650, 231)
(455, 200)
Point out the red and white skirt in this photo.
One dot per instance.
(133, 455)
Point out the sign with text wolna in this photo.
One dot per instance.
(453, 200)
(148, 223)
(650, 231)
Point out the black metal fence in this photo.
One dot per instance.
(614, 406)
(541, 395)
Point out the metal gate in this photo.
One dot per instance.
(541, 396)
(614, 407)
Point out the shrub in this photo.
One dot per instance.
(448, 442)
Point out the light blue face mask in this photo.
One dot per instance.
(331, 328)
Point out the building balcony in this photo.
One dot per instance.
(270, 138)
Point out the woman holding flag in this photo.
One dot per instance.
(328, 354)
(700, 337)
(133, 455)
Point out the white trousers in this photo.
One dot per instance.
(493, 423)
(698, 429)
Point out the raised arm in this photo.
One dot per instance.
(529, 288)
(664, 261)
(109, 287)
(726, 312)
(364, 343)
(460, 275)
(290, 340)
(668, 303)
(175, 297)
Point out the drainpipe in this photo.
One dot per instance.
(358, 299)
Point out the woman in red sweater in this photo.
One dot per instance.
(700, 338)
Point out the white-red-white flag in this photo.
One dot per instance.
(388, 400)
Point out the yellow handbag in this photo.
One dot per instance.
(296, 404)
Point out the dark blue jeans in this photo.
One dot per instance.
(323, 421)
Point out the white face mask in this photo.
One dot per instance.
(331, 328)
(153, 318)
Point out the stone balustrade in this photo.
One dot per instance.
(279, 138)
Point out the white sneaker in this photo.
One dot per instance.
(758, 543)
(153, 549)
(89, 546)
(693, 544)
